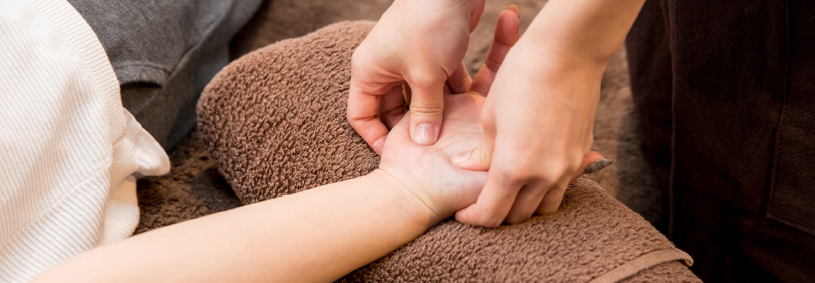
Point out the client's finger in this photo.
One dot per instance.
(392, 107)
(506, 35)
(459, 81)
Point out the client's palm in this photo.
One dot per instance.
(427, 170)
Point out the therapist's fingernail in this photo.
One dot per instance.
(424, 134)
(461, 157)
(597, 166)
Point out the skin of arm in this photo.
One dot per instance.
(539, 116)
(313, 236)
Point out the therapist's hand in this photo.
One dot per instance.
(422, 43)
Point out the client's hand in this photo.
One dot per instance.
(426, 172)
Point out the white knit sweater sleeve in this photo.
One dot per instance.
(68, 148)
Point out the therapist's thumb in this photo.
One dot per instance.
(477, 159)
(426, 110)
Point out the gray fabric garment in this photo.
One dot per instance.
(164, 52)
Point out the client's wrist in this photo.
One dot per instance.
(403, 192)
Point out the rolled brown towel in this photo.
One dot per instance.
(274, 121)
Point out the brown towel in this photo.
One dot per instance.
(274, 121)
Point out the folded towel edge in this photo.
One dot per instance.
(643, 262)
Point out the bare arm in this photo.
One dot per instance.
(314, 236)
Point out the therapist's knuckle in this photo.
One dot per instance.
(552, 173)
(516, 174)
(426, 79)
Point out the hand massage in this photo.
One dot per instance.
(364, 151)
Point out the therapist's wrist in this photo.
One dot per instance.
(555, 58)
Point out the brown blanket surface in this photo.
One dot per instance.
(192, 189)
(274, 121)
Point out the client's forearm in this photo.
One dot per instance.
(316, 235)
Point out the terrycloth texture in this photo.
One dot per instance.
(67, 147)
(282, 19)
(667, 272)
(194, 188)
(274, 121)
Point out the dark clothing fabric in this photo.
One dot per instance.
(164, 53)
(725, 91)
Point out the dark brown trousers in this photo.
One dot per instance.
(725, 92)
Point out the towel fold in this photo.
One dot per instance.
(274, 122)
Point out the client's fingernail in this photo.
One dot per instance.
(424, 134)
(597, 165)
(515, 9)
(461, 157)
